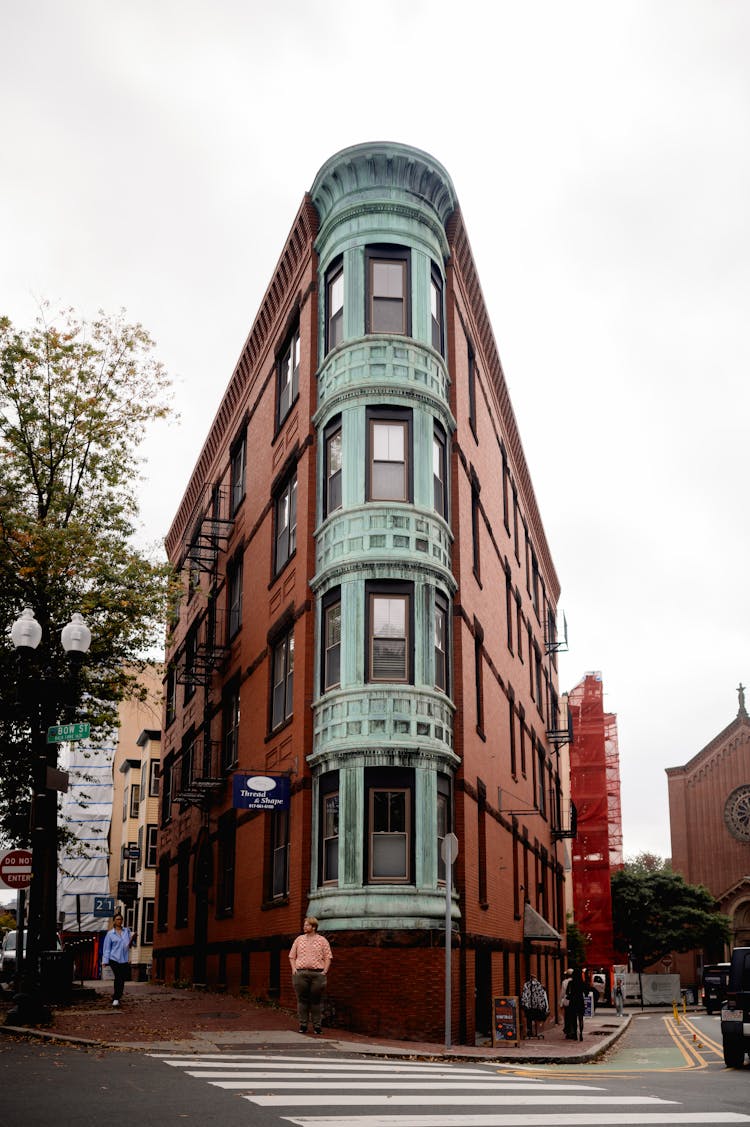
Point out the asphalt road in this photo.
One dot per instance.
(654, 1075)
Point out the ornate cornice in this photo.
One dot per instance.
(387, 568)
(374, 172)
(364, 210)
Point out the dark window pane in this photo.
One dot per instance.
(389, 649)
(388, 475)
(388, 282)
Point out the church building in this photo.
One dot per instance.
(709, 811)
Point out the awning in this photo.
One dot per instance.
(536, 927)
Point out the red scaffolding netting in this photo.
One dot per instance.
(595, 790)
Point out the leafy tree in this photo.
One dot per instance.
(647, 863)
(577, 943)
(7, 923)
(655, 912)
(75, 400)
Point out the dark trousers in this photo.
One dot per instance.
(121, 971)
(309, 986)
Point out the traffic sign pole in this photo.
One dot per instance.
(15, 868)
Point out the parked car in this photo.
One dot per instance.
(715, 979)
(8, 955)
(735, 1013)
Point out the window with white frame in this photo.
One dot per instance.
(282, 673)
(333, 466)
(234, 596)
(237, 460)
(151, 841)
(171, 695)
(286, 523)
(230, 727)
(330, 825)
(436, 309)
(390, 832)
(147, 921)
(439, 464)
(335, 305)
(387, 290)
(279, 853)
(332, 641)
(388, 461)
(288, 375)
(441, 642)
(389, 634)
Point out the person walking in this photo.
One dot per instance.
(568, 1024)
(310, 958)
(576, 1005)
(116, 955)
(619, 998)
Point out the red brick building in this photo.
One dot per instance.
(709, 815)
(369, 613)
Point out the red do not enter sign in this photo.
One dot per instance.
(15, 868)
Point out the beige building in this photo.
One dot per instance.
(135, 805)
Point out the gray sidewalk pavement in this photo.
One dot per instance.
(163, 1019)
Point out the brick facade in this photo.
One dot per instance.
(378, 772)
(710, 846)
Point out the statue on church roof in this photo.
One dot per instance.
(741, 695)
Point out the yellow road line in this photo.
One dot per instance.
(690, 1053)
(708, 1042)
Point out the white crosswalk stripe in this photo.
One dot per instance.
(289, 1083)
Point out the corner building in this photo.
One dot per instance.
(369, 608)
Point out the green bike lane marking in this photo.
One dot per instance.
(670, 1049)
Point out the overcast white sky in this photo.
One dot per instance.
(155, 153)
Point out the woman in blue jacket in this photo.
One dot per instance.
(116, 954)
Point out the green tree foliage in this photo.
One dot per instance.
(75, 400)
(647, 863)
(577, 943)
(655, 913)
(7, 923)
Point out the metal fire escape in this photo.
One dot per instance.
(197, 769)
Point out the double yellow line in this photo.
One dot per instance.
(692, 1042)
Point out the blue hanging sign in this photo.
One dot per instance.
(261, 792)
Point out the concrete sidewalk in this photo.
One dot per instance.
(161, 1018)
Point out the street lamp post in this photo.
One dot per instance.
(26, 635)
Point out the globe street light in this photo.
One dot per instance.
(43, 691)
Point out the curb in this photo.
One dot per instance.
(341, 1044)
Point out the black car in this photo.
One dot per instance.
(735, 1013)
(715, 981)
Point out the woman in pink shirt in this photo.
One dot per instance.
(310, 958)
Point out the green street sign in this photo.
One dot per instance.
(61, 733)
